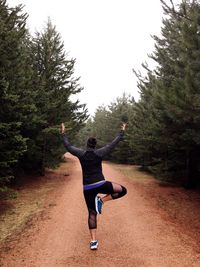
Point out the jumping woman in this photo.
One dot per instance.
(94, 182)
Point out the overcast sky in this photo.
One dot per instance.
(107, 37)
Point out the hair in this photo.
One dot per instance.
(91, 142)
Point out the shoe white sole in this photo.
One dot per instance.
(93, 248)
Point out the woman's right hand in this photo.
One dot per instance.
(62, 128)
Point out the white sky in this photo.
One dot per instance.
(107, 37)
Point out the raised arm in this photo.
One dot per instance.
(108, 148)
(72, 149)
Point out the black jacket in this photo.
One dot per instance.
(91, 159)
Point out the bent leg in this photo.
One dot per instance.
(113, 191)
(119, 191)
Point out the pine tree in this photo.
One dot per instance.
(105, 125)
(178, 56)
(143, 123)
(54, 83)
(169, 105)
(120, 111)
(12, 34)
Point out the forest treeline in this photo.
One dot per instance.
(164, 125)
(36, 82)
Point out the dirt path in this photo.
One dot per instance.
(130, 232)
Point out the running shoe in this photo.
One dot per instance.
(94, 245)
(98, 204)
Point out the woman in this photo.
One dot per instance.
(93, 178)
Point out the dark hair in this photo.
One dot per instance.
(91, 142)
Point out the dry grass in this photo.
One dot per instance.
(133, 172)
(16, 213)
(180, 206)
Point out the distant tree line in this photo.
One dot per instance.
(36, 83)
(164, 125)
(105, 125)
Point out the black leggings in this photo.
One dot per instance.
(108, 188)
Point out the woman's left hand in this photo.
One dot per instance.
(124, 126)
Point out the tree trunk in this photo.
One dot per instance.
(192, 179)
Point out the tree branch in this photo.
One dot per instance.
(174, 11)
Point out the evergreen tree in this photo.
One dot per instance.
(178, 55)
(106, 124)
(169, 105)
(120, 111)
(53, 83)
(84, 133)
(12, 35)
(144, 126)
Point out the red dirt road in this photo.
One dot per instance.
(130, 232)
